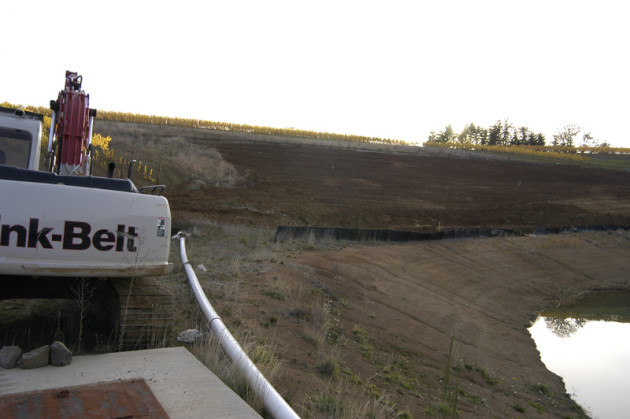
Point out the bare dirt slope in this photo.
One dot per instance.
(378, 318)
(291, 184)
(395, 309)
(329, 185)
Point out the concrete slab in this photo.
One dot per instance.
(184, 386)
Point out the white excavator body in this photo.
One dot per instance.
(60, 222)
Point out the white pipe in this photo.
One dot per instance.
(88, 170)
(272, 400)
(51, 134)
(90, 130)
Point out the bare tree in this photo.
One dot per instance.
(564, 137)
(589, 141)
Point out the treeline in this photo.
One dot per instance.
(559, 151)
(219, 126)
(505, 137)
(565, 153)
(501, 133)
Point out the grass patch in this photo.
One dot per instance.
(487, 377)
(209, 352)
(329, 406)
(519, 408)
(363, 344)
(541, 388)
(392, 375)
(329, 368)
(275, 294)
(539, 408)
(450, 391)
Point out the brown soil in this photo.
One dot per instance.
(288, 181)
(393, 309)
(298, 185)
(409, 300)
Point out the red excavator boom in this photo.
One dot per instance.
(69, 145)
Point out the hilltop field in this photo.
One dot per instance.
(265, 180)
(356, 329)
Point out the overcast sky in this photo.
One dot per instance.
(394, 69)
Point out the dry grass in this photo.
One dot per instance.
(252, 300)
(209, 351)
(207, 168)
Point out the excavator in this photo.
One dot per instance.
(64, 224)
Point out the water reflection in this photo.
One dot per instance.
(563, 328)
(587, 342)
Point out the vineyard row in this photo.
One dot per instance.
(219, 126)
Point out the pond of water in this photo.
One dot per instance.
(587, 343)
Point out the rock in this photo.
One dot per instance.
(9, 356)
(60, 355)
(189, 336)
(36, 358)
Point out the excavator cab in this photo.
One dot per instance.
(20, 133)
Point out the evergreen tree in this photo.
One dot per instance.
(494, 134)
(506, 137)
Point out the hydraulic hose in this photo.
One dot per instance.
(273, 401)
